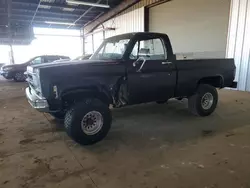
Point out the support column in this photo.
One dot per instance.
(12, 60)
(83, 41)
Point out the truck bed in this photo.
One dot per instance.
(190, 72)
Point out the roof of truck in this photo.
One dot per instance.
(129, 35)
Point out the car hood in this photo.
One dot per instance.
(14, 66)
(74, 63)
(6, 66)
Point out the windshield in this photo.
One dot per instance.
(111, 49)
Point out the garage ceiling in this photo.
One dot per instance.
(16, 15)
(37, 12)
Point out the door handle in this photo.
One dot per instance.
(166, 63)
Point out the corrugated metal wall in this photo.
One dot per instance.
(133, 17)
(140, 5)
(132, 21)
(196, 28)
(238, 46)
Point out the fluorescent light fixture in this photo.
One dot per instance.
(59, 23)
(44, 6)
(48, 1)
(73, 2)
(68, 9)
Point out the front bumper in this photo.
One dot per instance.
(36, 101)
(6, 74)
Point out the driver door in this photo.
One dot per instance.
(151, 77)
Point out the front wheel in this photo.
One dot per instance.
(88, 122)
(204, 101)
(19, 77)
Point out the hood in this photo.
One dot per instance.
(75, 74)
(7, 66)
(14, 65)
(74, 63)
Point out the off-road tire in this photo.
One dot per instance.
(75, 114)
(195, 101)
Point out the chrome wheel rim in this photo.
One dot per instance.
(92, 123)
(207, 101)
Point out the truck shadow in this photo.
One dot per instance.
(150, 125)
(141, 125)
(153, 109)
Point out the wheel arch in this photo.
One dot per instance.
(80, 94)
(216, 81)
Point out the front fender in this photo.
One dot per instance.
(101, 93)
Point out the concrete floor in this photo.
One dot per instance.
(149, 146)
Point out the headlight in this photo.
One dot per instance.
(30, 69)
(7, 68)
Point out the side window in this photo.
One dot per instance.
(49, 59)
(152, 49)
(114, 50)
(38, 60)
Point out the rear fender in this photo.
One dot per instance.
(216, 81)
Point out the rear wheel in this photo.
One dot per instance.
(204, 101)
(88, 122)
(19, 77)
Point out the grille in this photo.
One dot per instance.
(30, 80)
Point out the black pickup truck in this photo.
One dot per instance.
(125, 70)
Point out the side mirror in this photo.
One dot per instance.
(135, 63)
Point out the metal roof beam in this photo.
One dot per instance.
(46, 14)
(86, 12)
(55, 26)
(45, 18)
(54, 5)
(42, 21)
(37, 7)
